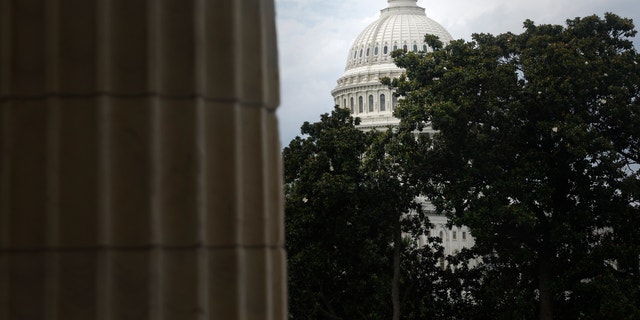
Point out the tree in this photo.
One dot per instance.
(537, 152)
(389, 187)
(335, 249)
(348, 229)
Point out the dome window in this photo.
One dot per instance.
(385, 50)
(415, 48)
(404, 47)
(360, 53)
(395, 47)
(367, 52)
(424, 47)
(382, 102)
(375, 51)
(360, 105)
(355, 53)
(370, 103)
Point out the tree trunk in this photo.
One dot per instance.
(544, 285)
(395, 285)
(560, 182)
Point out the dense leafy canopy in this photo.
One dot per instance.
(346, 228)
(328, 272)
(538, 152)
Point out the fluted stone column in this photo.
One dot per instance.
(139, 160)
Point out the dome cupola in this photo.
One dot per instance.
(402, 3)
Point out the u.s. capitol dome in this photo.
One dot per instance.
(402, 25)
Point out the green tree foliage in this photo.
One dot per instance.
(389, 188)
(348, 238)
(333, 245)
(538, 152)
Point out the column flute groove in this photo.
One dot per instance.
(103, 297)
(156, 258)
(51, 108)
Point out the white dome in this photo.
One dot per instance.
(402, 25)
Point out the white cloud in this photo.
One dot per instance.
(314, 37)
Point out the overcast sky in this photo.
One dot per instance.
(314, 37)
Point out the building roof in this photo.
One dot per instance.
(403, 24)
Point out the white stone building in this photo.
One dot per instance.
(402, 25)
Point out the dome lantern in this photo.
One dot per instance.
(402, 3)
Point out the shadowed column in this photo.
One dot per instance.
(139, 160)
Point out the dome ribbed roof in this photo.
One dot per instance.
(401, 24)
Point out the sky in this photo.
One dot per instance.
(314, 37)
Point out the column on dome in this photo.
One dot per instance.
(140, 173)
(402, 3)
(352, 104)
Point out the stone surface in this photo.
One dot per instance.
(140, 164)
